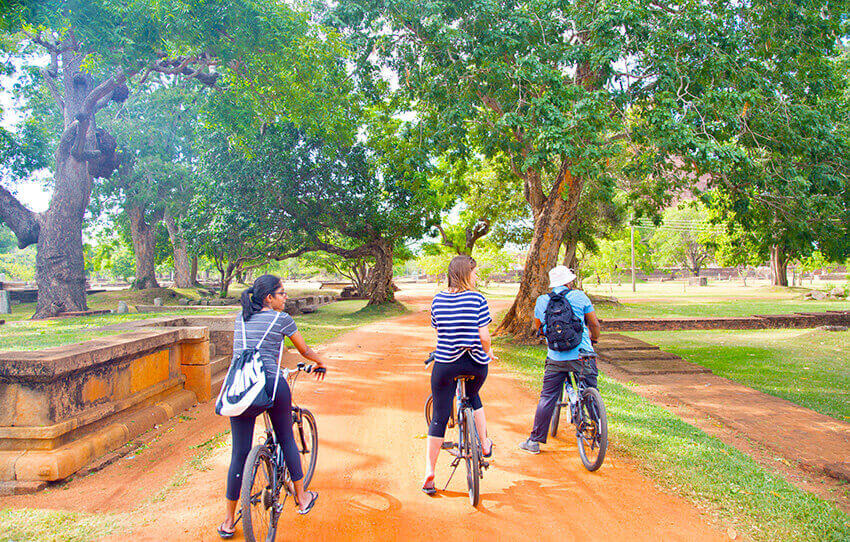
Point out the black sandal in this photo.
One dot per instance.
(226, 534)
(315, 497)
(429, 490)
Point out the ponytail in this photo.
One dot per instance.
(252, 298)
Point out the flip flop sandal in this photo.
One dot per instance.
(310, 505)
(225, 534)
(489, 455)
(429, 490)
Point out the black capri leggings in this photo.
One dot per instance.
(443, 387)
(242, 431)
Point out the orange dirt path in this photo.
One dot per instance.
(371, 433)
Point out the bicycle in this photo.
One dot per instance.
(468, 447)
(265, 473)
(587, 413)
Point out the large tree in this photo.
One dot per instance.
(281, 193)
(155, 130)
(560, 87)
(95, 48)
(534, 81)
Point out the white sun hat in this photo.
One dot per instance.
(560, 275)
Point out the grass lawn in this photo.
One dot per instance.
(56, 526)
(704, 469)
(670, 300)
(23, 334)
(809, 367)
(327, 322)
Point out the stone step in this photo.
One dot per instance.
(219, 365)
(216, 382)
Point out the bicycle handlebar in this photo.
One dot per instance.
(431, 358)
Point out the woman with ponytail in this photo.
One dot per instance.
(262, 310)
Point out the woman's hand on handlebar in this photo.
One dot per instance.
(320, 370)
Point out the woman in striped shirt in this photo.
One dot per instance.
(461, 316)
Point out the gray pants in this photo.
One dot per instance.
(553, 383)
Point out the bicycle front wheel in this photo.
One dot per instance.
(259, 496)
(307, 440)
(429, 413)
(470, 449)
(592, 430)
(429, 410)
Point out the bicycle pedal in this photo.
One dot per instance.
(448, 445)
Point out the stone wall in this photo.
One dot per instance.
(770, 321)
(62, 407)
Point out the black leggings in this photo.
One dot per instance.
(242, 429)
(443, 387)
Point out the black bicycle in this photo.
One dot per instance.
(266, 474)
(467, 449)
(587, 414)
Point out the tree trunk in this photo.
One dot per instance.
(380, 283)
(551, 220)
(779, 265)
(183, 275)
(144, 248)
(226, 278)
(570, 260)
(60, 270)
(59, 257)
(193, 272)
(83, 151)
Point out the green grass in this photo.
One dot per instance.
(198, 462)
(686, 460)
(22, 334)
(809, 367)
(54, 526)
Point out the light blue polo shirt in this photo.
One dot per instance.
(581, 305)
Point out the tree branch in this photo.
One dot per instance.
(23, 222)
(476, 232)
(446, 241)
(84, 117)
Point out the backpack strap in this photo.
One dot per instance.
(245, 339)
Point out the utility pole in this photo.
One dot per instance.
(632, 227)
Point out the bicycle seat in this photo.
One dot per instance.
(464, 377)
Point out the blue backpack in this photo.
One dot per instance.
(563, 328)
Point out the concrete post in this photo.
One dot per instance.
(5, 302)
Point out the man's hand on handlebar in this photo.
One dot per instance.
(320, 371)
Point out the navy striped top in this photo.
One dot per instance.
(255, 327)
(457, 317)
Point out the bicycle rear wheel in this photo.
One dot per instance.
(307, 440)
(470, 448)
(556, 416)
(592, 429)
(259, 496)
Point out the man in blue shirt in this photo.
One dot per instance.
(560, 364)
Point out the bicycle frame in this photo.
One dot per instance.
(576, 383)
